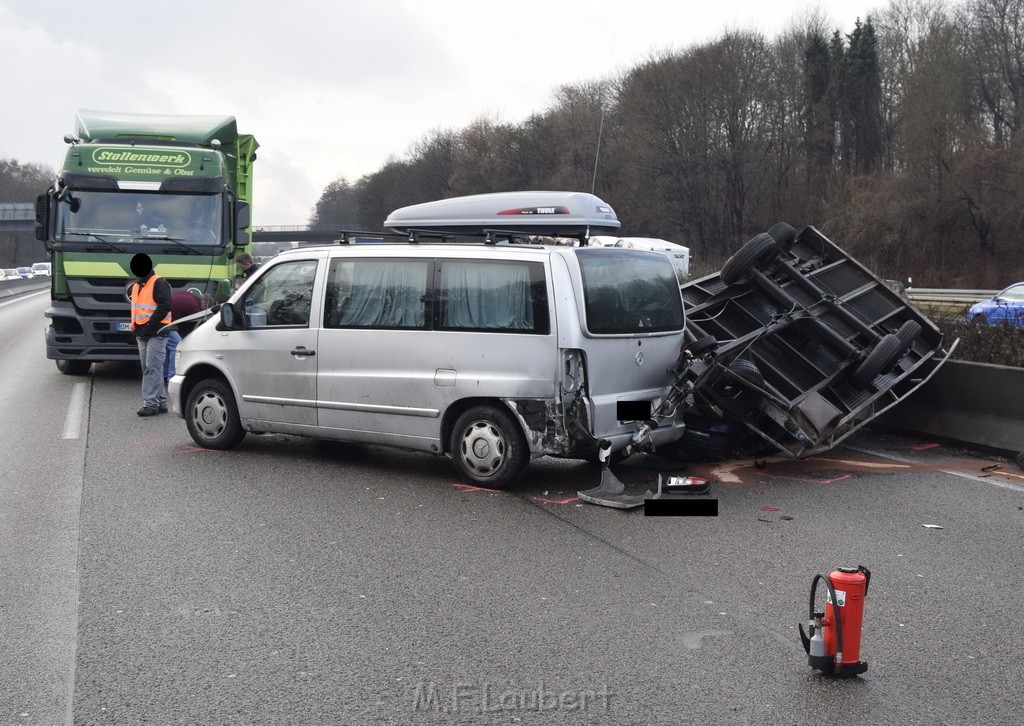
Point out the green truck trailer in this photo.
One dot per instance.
(178, 188)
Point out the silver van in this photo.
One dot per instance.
(491, 354)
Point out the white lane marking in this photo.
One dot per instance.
(73, 421)
(962, 474)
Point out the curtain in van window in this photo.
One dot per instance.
(485, 296)
(385, 294)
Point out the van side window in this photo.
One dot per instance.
(492, 295)
(282, 296)
(377, 293)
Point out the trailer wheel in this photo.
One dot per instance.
(73, 367)
(211, 415)
(488, 447)
(702, 345)
(882, 357)
(784, 236)
(758, 250)
(908, 332)
(734, 398)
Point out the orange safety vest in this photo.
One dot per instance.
(143, 304)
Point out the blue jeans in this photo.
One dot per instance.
(172, 345)
(153, 355)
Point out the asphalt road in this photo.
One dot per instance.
(146, 580)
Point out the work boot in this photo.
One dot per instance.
(148, 410)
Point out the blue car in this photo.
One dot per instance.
(1006, 307)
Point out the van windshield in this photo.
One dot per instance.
(629, 292)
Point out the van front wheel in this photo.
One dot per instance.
(211, 415)
(488, 447)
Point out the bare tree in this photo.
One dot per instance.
(337, 205)
(997, 45)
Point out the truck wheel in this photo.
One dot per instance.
(73, 367)
(488, 447)
(882, 357)
(211, 415)
(758, 250)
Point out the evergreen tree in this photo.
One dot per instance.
(819, 113)
(863, 94)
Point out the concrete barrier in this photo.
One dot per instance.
(9, 288)
(976, 404)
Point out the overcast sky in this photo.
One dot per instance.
(333, 88)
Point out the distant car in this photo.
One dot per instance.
(1006, 306)
(25, 273)
(41, 268)
(9, 273)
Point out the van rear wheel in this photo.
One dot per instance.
(488, 447)
(211, 415)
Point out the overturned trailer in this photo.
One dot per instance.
(791, 347)
(799, 344)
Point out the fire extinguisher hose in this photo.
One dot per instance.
(835, 612)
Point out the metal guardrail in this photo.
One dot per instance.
(949, 297)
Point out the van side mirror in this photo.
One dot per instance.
(230, 318)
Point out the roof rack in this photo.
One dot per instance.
(415, 236)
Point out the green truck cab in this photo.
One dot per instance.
(178, 188)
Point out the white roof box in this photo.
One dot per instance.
(555, 214)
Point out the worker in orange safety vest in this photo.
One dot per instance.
(151, 310)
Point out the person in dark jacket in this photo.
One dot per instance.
(151, 310)
(247, 264)
(183, 304)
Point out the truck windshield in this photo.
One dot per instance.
(628, 292)
(140, 217)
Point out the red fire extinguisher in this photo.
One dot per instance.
(833, 643)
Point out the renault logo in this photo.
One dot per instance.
(639, 358)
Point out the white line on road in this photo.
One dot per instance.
(73, 421)
(962, 474)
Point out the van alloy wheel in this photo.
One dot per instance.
(488, 447)
(211, 415)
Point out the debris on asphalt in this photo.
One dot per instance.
(933, 526)
(993, 467)
(684, 484)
